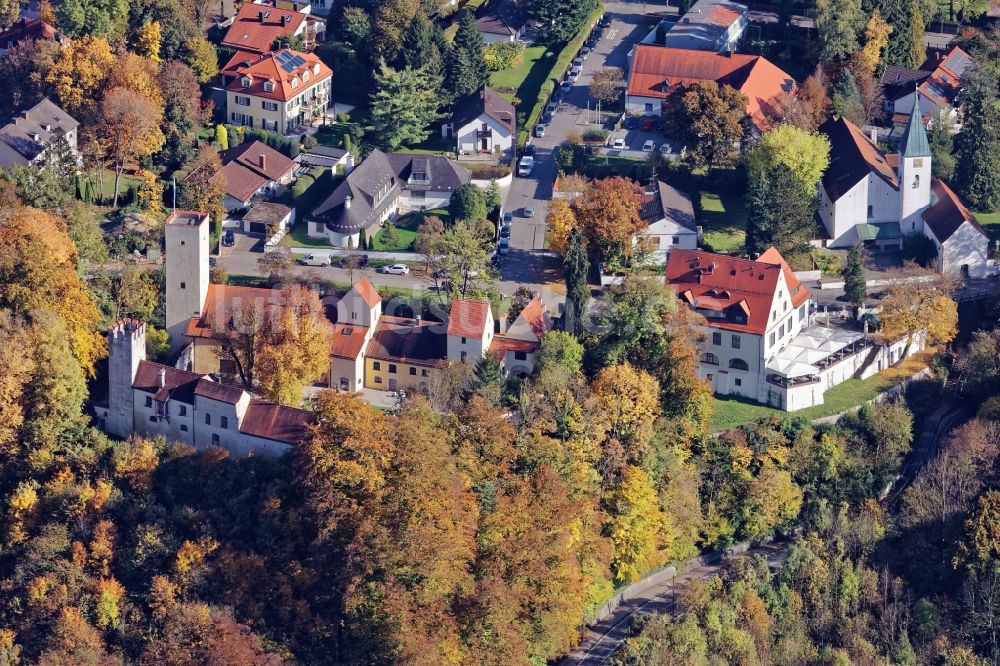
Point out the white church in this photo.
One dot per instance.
(874, 198)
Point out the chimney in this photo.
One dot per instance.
(261, 16)
(163, 377)
(502, 323)
(417, 318)
(262, 160)
(286, 19)
(347, 202)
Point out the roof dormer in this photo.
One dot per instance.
(295, 82)
(316, 69)
(269, 86)
(246, 81)
(305, 76)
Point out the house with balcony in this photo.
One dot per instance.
(483, 123)
(937, 83)
(257, 26)
(280, 91)
(761, 342)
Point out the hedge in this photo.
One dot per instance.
(560, 66)
(286, 145)
(488, 171)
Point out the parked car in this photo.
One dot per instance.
(631, 122)
(574, 74)
(585, 52)
(363, 263)
(578, 63)
(552, 106)
(228, 238)
(649, 146)
(315, 260)
(540, 130)
(547, 117)
(504, 232)
(618, 144)
(527, 164)
(647, 124)
(566, 86)
(529, 211)
(504, 246)
(397, 269)
(508, 219)
(665, 148)
(529, 149)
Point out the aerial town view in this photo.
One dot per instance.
(500, 332)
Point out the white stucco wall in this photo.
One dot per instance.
(663, 233)
(636, 105)
(466, 141)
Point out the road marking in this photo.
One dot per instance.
(611, 34)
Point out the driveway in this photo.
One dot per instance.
(527, 262)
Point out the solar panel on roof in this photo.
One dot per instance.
(958, 62)
(297, 61)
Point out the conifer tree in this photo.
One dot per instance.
(466, 68)
(854, 277)
(577, 289)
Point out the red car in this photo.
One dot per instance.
(647, 125)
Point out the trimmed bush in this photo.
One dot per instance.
(488, 171)
(503, 55)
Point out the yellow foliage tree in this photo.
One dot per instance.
(560, 221)
(638, 529)
(16, 368)
(107, 608)
(628, 402)
(128, 129)
(135, 461)
(147, 41)
(200, 56)
(913, 305)
(138, 74)
(79, 74)
(877, 33)
(297, 350)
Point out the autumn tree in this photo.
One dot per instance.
(147, 41)
(608, 216)
(181, 113)
(560, 222)
(607, 85)
(708, 118)
(296, 350)
(203, 188)
(389, 22)
(810, 104)
(627, 405)
(24, 71)
(79, 73)
(129, 129)
(917, 301)
(199, 54)
(636, 526)
(10, 10)
(877, 33)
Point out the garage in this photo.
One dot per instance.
(267, 218)
(257, 228)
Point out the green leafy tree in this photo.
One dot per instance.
(10, 10)
(838, 23)
(222, 137)
(97, 18)
(403, 107)
(906, 40)
(560, 20)
(357, 25)
(468, 203)
(181, 113)
(854, 277)
(420, 46)
(466, 71)
(577, 268)
(942, 140)
(560, 359)
(977, 146)
(493, 198)
(710, 119)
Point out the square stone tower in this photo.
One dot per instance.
(186, 237)
(126, 349)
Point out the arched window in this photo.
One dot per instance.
(710, 358)
(738, 364)
(916, 181)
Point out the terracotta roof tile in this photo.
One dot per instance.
(220, 303)
(249, 32)
(468, 318)
(275, 422)
(756, 77)
(347, 340)
(263, 68)
(852, 157)
(531, 322)
(244, 174)
(177, 384)
(227, 393)
(949, 213)
(367, 291)
(502, 344)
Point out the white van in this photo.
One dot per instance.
(316, 260)
(527, 164)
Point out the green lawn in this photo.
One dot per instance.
(527, 79)
(991, 222)
(732, 412)
(332, 135)
(406, 231)
(299, 237)
(723, 218)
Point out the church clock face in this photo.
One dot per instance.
(918, 162)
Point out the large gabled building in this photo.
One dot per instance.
(258, 26)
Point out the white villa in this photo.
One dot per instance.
(761, 344)
(870, 197)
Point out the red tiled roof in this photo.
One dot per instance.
(275, 422)
(206, 388)
(716, 283)
(27, 28)
(409, 341)
(468, 318)
(367, 291)
(243, 170)
(852, 157)
(347, 340)
(501, 345)
(266, 68)
(177, 384)
(772, 256)
(722, 16)
(531, 321)
(249, 32)
(220, 303)
(755, 76)
(949, 213)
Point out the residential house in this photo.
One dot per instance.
(30, 29)
(268, 218)
(516, 349)
(483, 123)
(251, 170)
(27, 134)
(381, 187)
(759, 341)
(669, 214)
(709, 25)
(258, 26)
(276, 91)
(155, 400)
(938, 83)
(337, 160)
(503, 21)
(870, 197)
(656, 70)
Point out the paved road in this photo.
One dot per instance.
(526, 263)
(602, 639)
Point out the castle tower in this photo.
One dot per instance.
(186, 236)
(126, 348)
(914, 171)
